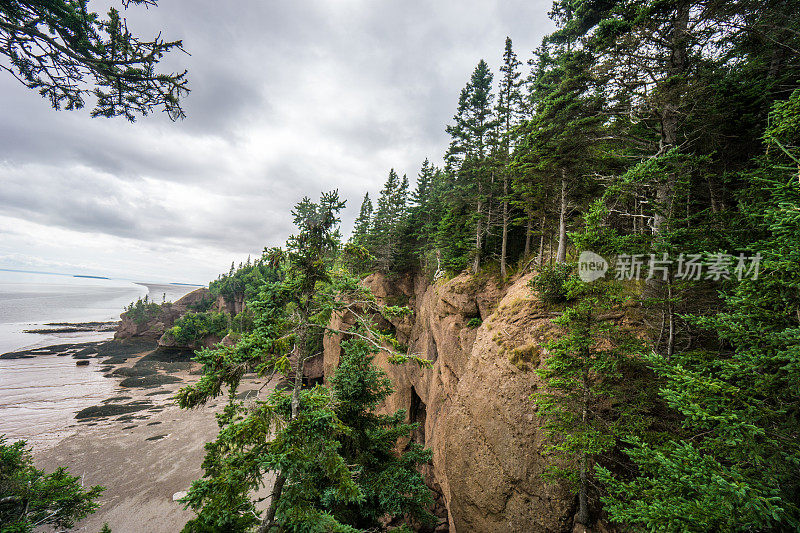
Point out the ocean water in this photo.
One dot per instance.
(39, 396)
(28, 301)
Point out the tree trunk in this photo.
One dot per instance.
(528, 234)
(541, 242)
(269, 519)
(671, 313)
(277, 488)
(670, 115)
(561, 255)
(478, 234)
(504, 244)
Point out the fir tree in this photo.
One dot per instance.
(297, 434)
(67, 52)
(389, 219)
(390, 484)
(29, 498)
(468, 152)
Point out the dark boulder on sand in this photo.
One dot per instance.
(148, 382)
(103, 411)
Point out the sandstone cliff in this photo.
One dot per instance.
(473, 405)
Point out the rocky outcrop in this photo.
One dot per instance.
(155, 327)
(232, 306)
(474, 404)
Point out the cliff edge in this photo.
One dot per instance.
(474, 405)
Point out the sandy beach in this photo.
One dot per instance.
(136, 442)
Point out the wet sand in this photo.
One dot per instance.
(136, 442)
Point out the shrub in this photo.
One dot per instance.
(204, 304)
(474, 323)
(142, 310)
(551, 283)
(193, 327)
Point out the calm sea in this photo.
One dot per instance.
(39, 396)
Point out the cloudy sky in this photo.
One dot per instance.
(288, 98)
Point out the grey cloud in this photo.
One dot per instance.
(288, 99)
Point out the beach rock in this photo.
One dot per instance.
(82, 362)
(148, 382)
(103, 411)
(473, 405)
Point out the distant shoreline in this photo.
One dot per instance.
(92, 276)
(170, 285)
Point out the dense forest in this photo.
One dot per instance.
(663, 137)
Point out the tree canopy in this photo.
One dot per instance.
(68, 53)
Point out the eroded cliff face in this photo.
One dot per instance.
(474, 403)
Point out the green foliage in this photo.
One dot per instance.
(388, 223)
(332, 456)
(143, 310)
(551, 283)
(67, 52)
(363, 224)
(194, 327)
(474, 323)
(30, 498)
(244, 282)
(638, 131)
(204, 304)
(587, 402)
(390, 484)
(732, 465)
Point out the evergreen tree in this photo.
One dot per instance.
(389, 219)
(418, 235)
(467, 157)
(363, 223)
(389, 483)
(29, 498)
(67, 52)
(508, 113)
(733, 464)
(562, 140)
(297, 433)
(587, 402)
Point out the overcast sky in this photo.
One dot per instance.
(289, 98)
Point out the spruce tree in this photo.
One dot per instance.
(388, 221)
(562, 144)
(31, 499)
(586, 401)
(68, 53)
(508, 113)
(295, 433)
(363, 224)
(733, 463)
(467, 157)
(389, 483)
